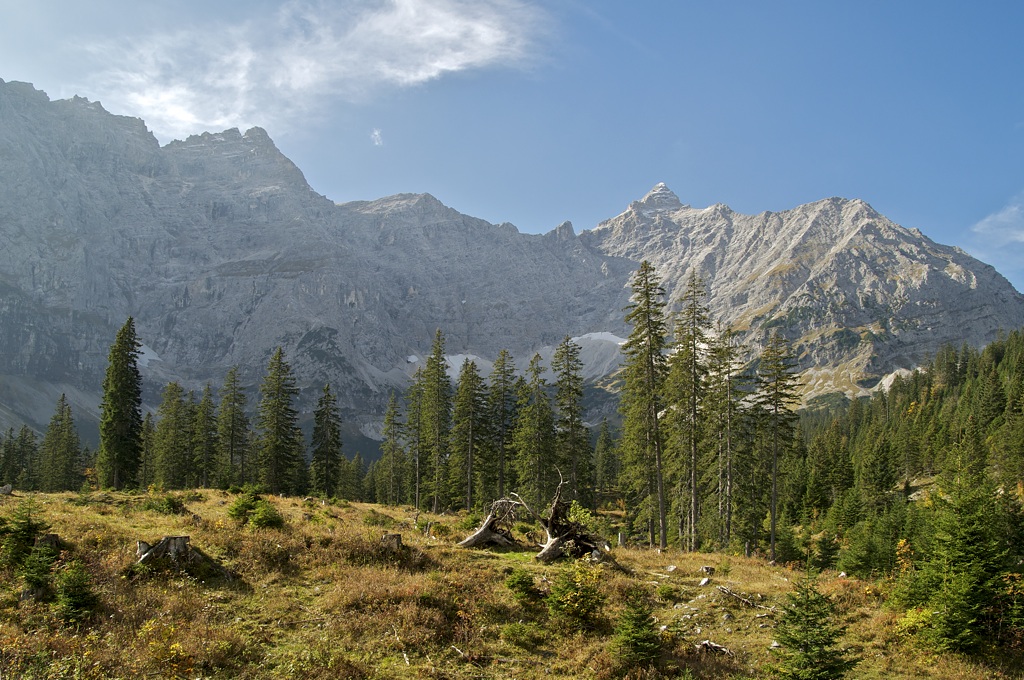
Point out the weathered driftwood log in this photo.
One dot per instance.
(496, 527)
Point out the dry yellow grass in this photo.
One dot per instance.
(320, 599)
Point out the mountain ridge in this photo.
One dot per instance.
(222, 251)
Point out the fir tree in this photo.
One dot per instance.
(776, 396)
(233, 432)
(204, 441)
(117, 463)
(809, 635)
(468, 434)
(642, 401)
(686, 387)
(534, 437)
(325, 467)
(572, 438)
(60, 452)
(391, 472)
(436, 421)
(279, 442)
(172, 438)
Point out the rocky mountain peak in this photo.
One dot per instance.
(660, 198)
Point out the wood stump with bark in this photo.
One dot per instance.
(177, 552)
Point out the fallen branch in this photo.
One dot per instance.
(744, 600)
(714, 648)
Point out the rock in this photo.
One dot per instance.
(703, 582)
(6, 490)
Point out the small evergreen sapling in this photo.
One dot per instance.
(808, 635)
(637, 642)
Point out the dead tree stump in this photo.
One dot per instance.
(177, 552)
(391, 542)
(496, 527)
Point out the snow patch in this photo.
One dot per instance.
(146, 355)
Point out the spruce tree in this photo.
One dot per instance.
(501, 409)
(575, 454)
(147, 465)
(392, 468)
(726, 390)
(534, 437)
(468, 434)
(776, 397)
(325, 467)
(205, 460)
(233, 435)
(117, 463)
(809, 635)
(279, 440)
(436, 422)
(60, 452)
(173, 438)
(642, 401)
(686, 388)
(606, 463)
(415, 436)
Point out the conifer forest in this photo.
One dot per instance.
(913, 494)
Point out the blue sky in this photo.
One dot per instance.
(539, 112)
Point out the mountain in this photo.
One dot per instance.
(221, 251)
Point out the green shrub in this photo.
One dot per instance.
(265, 516)
(520, 582)
(35, 571)
(575, 599)
(666, 592)
(75, 597)
(257, 512)
(165, 504)
(523, 635)
(20, 534)
(378, 519)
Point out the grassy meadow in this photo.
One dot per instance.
(320, 597)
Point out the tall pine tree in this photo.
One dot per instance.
(117, 463)
(575, 455)
(642, 401)
(279, 440)
(468, 435)
(325, 467)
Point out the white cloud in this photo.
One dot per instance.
(376, 137)
(274, 70)
(999, 240)
(1005, 226)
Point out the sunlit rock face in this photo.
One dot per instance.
(222, 252)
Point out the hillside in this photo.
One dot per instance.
(320, 599)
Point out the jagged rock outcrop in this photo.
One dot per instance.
(858, 295)
(222, 252)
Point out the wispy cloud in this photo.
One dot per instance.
(277, 70)
(1005, 226)
(999, 239)
(377, 137)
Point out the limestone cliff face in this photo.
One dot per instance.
(222, 252)
(858, 295)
